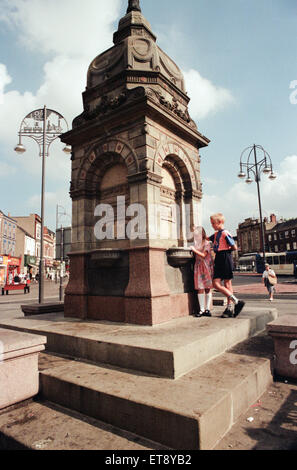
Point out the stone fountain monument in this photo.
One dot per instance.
(135, 185)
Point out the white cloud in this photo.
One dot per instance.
(62, 27)
(52, 199)
(5, 79)
(241, 200)
(206, 98)
(75, 40)
(70, 37)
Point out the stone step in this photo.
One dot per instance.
(192, 412)
(168, 350)
(41, 425)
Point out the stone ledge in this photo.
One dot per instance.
(39, 309)
(167, 350)
(283, 331)
(19, 377)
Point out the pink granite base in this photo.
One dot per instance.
(283, 331)
(19, 376)
(147, 300)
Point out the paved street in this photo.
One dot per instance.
(10, 304)
(248, 287)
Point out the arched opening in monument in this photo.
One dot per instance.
(175, 207)
(113, 191)
(110, 199)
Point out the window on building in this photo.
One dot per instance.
(294, 246)
(288, 246)
(275, 236)
(287, 234)
(293, 233)
(280, 236)
(38, 231)
(270, 238)
(276, 248)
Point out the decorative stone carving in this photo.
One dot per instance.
(179, 257)
(133, 6)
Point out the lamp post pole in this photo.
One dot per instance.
(41, 265)
(61, 247)
(39, 126)
(257, 177)
(265, 166)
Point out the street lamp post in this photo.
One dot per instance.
(61, 246)
(255, 167)
(44, 126)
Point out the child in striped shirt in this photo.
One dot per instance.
(223, 245)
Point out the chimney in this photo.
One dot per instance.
(273, 218)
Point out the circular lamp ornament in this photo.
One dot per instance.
(20, 148)
(272, 176)
(249, 180)
(67, 149)
(267, 170)
(241, 175)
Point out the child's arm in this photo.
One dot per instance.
(199, 253)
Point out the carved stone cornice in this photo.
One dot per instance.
(145, 176)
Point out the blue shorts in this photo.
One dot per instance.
(223, 266)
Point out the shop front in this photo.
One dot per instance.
(3, 270)
(31, 264)
(10, 276)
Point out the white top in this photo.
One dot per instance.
(266, 273)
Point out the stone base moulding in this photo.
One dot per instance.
(39, 309)
(146, 297)
(284, 334)
(19, 376)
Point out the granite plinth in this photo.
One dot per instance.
(19, 376)
(284, 333)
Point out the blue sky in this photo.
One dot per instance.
(238, 57)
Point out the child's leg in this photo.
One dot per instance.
(201, 298)
(224, 290)
(231, 298)
(208, 296)
(228, 285)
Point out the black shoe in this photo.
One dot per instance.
(198, 315)
(227, 313)
(206, 313)
(238, 307)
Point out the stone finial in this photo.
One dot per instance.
(133, 6)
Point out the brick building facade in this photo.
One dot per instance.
(282, 237)
(250, 237)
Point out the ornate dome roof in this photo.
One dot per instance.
(135, 50)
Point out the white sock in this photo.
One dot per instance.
(234, 299)
(208, 301)
(201, 298)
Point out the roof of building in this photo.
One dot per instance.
(25, 232)
(285, 225)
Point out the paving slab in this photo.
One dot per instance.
(168, 350)
(41, 426)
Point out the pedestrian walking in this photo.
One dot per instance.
(203, 271)
(269, 279)
(223, 245)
